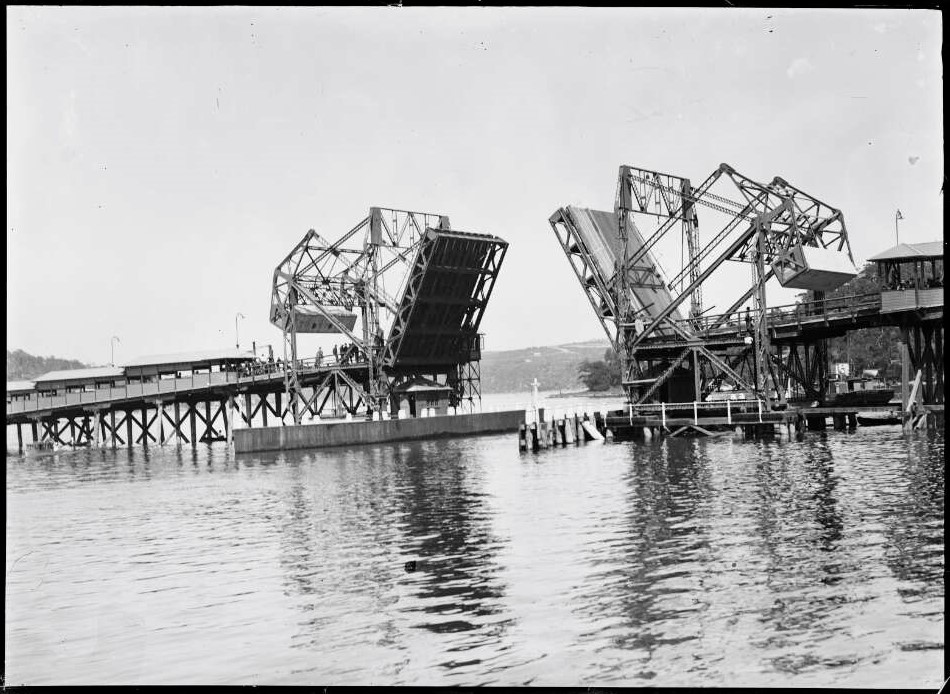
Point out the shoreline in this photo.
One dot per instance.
(590, 394)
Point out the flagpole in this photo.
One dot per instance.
(897, 237)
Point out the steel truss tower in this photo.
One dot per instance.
(777, 229)
(418, 290)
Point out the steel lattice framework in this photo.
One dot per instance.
(773, 227)
(417, 288)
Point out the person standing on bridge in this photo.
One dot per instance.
(336, 355)
(319, 356)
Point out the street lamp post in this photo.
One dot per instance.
(112, 351)
(237, 342)
(897, 235)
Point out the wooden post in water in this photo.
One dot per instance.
(230, 420)
(160, 407)
(194, 425)
(19, 438)
(905, 376)
(145, 427)
(128, 429)
(177, 412)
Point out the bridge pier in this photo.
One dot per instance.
(760, 431)
(227, 407)
(232, 405)
(160, 406)
(176, 412)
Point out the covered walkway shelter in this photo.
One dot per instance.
(911, 277)
(910, 267)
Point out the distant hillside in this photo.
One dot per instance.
(502, 372)
(23, 367)
(555, 367)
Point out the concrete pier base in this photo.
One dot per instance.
(356, 433)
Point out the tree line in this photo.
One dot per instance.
(22, 366)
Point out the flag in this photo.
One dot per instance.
(899, 215)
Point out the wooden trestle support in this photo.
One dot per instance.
(196, 421)
(924, 342)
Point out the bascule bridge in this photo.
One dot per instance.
(404, 291)
(757, 238)
(416, 288)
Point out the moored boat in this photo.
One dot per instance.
(862, 391)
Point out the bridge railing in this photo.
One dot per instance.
(256, 372)
(743, 320)
(133, 390)
(698, 409)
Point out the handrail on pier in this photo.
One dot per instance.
(785, 313)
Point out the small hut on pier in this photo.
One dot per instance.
(911, 276)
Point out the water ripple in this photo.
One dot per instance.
(702, 562)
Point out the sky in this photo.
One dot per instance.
(162, 161)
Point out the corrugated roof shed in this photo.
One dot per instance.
(198, 357)
(93, 374)
(911, 251)
(19, 386)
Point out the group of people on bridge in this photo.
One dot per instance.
(343, 355)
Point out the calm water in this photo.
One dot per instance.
(703, 562)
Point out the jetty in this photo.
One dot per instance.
(676, 353)
(408, 365)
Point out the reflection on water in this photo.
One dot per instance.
(703, 562)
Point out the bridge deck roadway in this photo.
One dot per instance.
(800, 323)
(198, 387)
